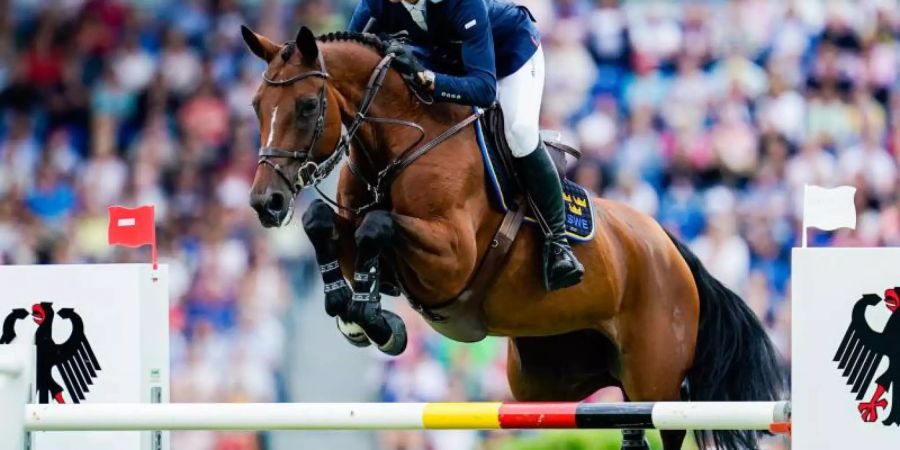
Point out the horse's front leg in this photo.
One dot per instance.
(375, 234)
(325, 230)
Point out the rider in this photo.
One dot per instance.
(502, 60)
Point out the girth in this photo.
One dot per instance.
(462, 318)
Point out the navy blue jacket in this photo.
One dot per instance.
(469, 43)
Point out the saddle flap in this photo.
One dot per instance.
(500, 175)
(492, 125)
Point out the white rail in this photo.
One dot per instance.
(370, 416)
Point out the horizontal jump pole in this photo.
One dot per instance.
(406, 416)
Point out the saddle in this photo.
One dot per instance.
(462, 318)
(501, 178)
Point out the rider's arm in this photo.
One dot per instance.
(479, 84)
(361, 16)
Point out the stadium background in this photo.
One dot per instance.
(709, 115)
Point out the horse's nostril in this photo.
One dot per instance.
(276, 202)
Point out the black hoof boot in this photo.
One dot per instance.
(634, 440)
(319, 224)
(561, 268)
(396, 344)
(384, 328)
(390, 289)
(337, 297)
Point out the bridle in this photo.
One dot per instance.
(312, 173)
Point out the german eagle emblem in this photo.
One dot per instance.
(861, 352)
(74, 359)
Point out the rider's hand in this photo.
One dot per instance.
(407, 64)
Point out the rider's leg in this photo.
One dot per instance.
(519, 95)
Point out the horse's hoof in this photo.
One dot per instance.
(353, 333)
(397, 343)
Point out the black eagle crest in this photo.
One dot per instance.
(861, 352)
(74, 359)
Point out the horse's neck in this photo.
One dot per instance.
(351, 66)
(439, 199)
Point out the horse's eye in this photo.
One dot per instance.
(307, 108)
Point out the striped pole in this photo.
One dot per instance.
(406, 416)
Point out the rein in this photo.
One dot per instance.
(312, 173)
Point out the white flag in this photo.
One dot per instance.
(829, 209)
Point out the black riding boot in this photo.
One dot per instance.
(561, 268)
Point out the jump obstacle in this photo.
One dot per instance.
(831, 281)
(767, 416)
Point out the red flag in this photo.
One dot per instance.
(133, 227)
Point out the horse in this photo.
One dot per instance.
(412, 206)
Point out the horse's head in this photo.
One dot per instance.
(298, 132)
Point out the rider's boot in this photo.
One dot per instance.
(561, 267)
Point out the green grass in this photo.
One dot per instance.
(579, 440)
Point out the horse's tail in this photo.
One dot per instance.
(734, 360)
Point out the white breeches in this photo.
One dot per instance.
(520, 95)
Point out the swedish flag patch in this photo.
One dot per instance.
(579, 211)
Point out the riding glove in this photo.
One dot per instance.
(408, 65)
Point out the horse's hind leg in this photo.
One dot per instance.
(567, 367)
(373, 236)
(654, 371)
(657, 351)
(672, 439)
(657, 334)
(324, 228)
(634, 440)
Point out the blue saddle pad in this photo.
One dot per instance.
(579, 207)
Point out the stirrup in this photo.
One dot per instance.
(565, 279)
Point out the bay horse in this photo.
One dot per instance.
(647, 317)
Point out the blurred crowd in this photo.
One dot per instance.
(709, 115)
(117, 102)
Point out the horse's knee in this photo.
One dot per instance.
(319, 221)
(522, 137)
(375, 233)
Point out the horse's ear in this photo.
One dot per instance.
(260, 45)
(306, 42)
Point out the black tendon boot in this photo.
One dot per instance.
(538, 174)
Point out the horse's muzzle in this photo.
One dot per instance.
(272, 207)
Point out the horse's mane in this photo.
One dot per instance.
(367, 39)
(380, 47)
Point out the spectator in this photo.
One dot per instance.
(872, 162)
(51, 199)
(179, 64)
